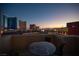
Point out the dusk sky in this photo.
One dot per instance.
(43, 15)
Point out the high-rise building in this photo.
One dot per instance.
(73, 28)
(2, 22)
(2, 19)
(22, 25)
(12, 23)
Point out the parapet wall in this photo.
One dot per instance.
(22, 41)
(71, 43)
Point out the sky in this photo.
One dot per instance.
(45, 15)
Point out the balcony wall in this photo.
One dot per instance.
(20, 42)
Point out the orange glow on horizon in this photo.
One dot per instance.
(53, 26)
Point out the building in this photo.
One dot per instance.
(2, 19)
(37, 28)
(62, 31)
(33, 27)
(2, 22)
(22, 25)
(12, 23)
(73, 28)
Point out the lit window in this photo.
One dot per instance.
(73, 26)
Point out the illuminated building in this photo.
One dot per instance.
(62, 31)
(22, 25)
(73, 28)
(2, 22)
(33, 27)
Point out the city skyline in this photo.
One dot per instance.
(43, 15)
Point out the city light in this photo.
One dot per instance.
(53, 27)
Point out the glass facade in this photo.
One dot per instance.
(2, 19)
(12, 23)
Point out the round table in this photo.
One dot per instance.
(42, 48)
